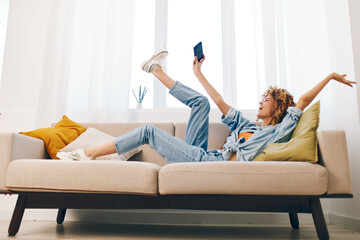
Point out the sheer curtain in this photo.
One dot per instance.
(100, 59)
(308, 53)
(282, 43)
(88, 57)
(53, 78)
(4, 7)
(76, 56)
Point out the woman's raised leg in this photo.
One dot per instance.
(163, 77)
(197, 129)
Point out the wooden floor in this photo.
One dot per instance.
(90, 230)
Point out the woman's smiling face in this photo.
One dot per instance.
(266, 108)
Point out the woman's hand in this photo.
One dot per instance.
(197, 65)
(341, 79)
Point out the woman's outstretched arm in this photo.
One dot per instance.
(307, 98)
(215, 95)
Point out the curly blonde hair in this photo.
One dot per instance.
(282, 100)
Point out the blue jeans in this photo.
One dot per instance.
(173, 149)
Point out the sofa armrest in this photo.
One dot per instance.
(334, 157)
(16, 146)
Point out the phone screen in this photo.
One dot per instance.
(198, 51)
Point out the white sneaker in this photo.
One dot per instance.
(156, 60)
(78, 155)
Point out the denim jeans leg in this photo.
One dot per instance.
(171, 148)
(197, 129)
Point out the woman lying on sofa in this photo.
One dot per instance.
(277, 110)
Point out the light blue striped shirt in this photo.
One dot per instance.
(263, 136)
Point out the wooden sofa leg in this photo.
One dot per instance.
(17, 215)
(319, 220)
(61, 216)
(294, 220)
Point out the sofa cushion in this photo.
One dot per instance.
(246, 178)
(83, 176)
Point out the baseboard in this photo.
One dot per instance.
(345, 222)
(165, 217)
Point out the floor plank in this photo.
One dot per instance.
(90, 230)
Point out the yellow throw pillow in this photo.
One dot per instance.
(302, 145)
(56, 138)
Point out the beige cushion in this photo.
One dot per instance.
(246, 178)
(92, 138)
(88, 176)
(117, 129)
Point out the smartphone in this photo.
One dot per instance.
(198, 51)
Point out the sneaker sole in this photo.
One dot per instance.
(62, 156)
(152, 58)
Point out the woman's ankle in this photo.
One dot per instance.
(155, 69)
(90, 153)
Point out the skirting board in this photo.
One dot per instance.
(345, 222)
(165, 217)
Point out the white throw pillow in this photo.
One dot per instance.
(92, 138)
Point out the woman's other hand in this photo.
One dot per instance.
(197, 65)
(341, 79)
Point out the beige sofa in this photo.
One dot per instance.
(146, 181)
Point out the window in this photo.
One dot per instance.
(246, 59)
(4, 9)
(189, 24)
(239, 41)
(143, 47)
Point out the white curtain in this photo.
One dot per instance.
(53, 82)
(308, 53)
(74, 57)
(101, 58)
(88, 60)
(4, 6)
(294, 44)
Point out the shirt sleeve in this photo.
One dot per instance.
(288, 124)
(234, 119)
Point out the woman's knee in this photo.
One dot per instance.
(147, 130)
(203, 102)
